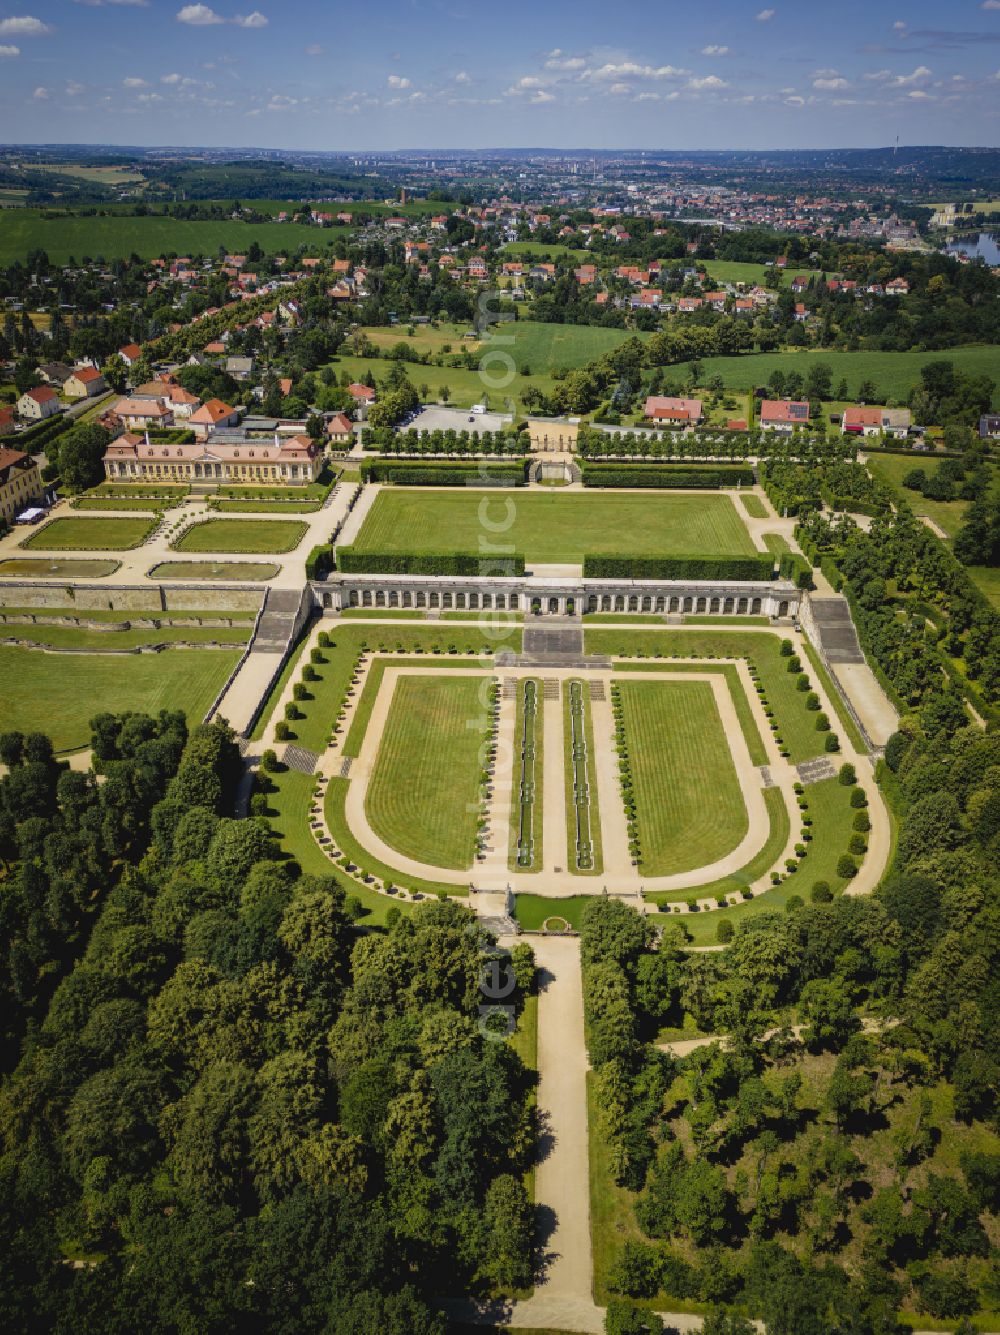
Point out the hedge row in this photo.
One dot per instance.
(351, 562)
(320, 561)
(679, 567)
(797, 569)
(655, 475)
(458, 474)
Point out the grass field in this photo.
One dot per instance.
(525, 851)
(282, 507)
(892, 372)
(270, 536)
(690, 807)
(68, 568)
(796, 724)
(94, 535)
(242, 570)
(97, 641)
(892, 468)
(556, 527)
(59, 695)
(423, 796)
(117, 503)
(739, 271)
(115, 236)
(532, 911)
(533, 250)
(753, 505)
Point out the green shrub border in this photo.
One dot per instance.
(352, 562)
(757, 568)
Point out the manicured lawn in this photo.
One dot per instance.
(748, 723)
(797, 726)
(248, 570)
(36, 568)
(424, 790)
(117, 503)
(688, 797)
(532, 911)
(77, 637)
(987, 578)
(59, 695)
(96, 535)
(242, 535)
(753, 505)
(741, 271)
(284, 507)
(554, 528)
(776, 544)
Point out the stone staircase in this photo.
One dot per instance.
(835, 628)
(281, 619)
(575, 475)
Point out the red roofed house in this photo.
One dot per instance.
(136, 414)
(897, 287)
(213, 414)
(38, 403)
(363, 393)
(664, 409)
(340, 429)
(6, 421)
(862, 421)
(85, 383)
(130, 353)
(783, 415)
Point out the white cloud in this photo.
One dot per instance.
(397, 81)
(150, 97)
(990, 4)
(918, 92)
(24, 26)
(765, 16)
(134, 83)
(529, 81)
(899, 80)
(462, 77)
(558, 60)
(41, 94)
(899, 26)
(95, 4)
(314, 49)
(713, 50)
(199, 16)
(9, 52)
(541, 96)
(171, 78)
(795, 101)
(709, 81)
(629, 68)
(73, 88)
(619, 88)
(253, 20)
(828, 80)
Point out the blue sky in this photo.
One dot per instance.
(464, 73)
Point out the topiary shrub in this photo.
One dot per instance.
(858, 799)
(724, 931)
(282, 731)
(821, 892)
(787, 649)
(793, 903)
(862, 822)
(832, 742)
(846, 866)
(269, 762)
(857, 845)
(812, 701)
(895, 749)
(822, 723)
(847, 775)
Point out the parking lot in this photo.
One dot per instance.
(457, 419)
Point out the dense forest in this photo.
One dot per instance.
(226, 1104)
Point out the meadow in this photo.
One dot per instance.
(557, 527)
(59, 694)
(689, 804)
(423, 794)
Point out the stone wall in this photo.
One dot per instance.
(131, 598)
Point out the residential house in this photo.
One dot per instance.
(989, 426)
(361, 393)
(36, 404)
(717, 300)
(240, 368)
(86, 382)
(55, 373)
(897, 287)
(662, 408)
(340, 430)
(20, 483)
(130, 353)
(783, 415)
(866, 421)
(799, 283)
(687, 305)
(138, 414)
(6, 421)
(180, 400)
(802, 311)
(211, 416)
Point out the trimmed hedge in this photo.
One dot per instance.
(319, 561)
(797, 569)
(679, 567)
(458, 474)
(656, 475)
(351, 562)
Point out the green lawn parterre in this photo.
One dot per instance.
(59, 695)
(264, 536)
(56, 568)
(690, 807)
(423, 795)
(68, 533)
(527, 777)
(553, 527)
(212, 570)
(583, 766)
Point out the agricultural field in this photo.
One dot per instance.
(59, 694)
(94, 535)
(894, 373)
(759, 275)
(265, 536)
(557, 527)
(690, 807)
(115, 236)
(423, 794)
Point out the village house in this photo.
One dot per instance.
(20, 483)
(340, 430)
(55, 373)
(661, 408)
(86, 382)
(989, 426)
(211, 416)
(137, 414)
(36, 404)
(6, 421)
(130, 353)
(783, 415)
(277, 461)
(893, 422)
